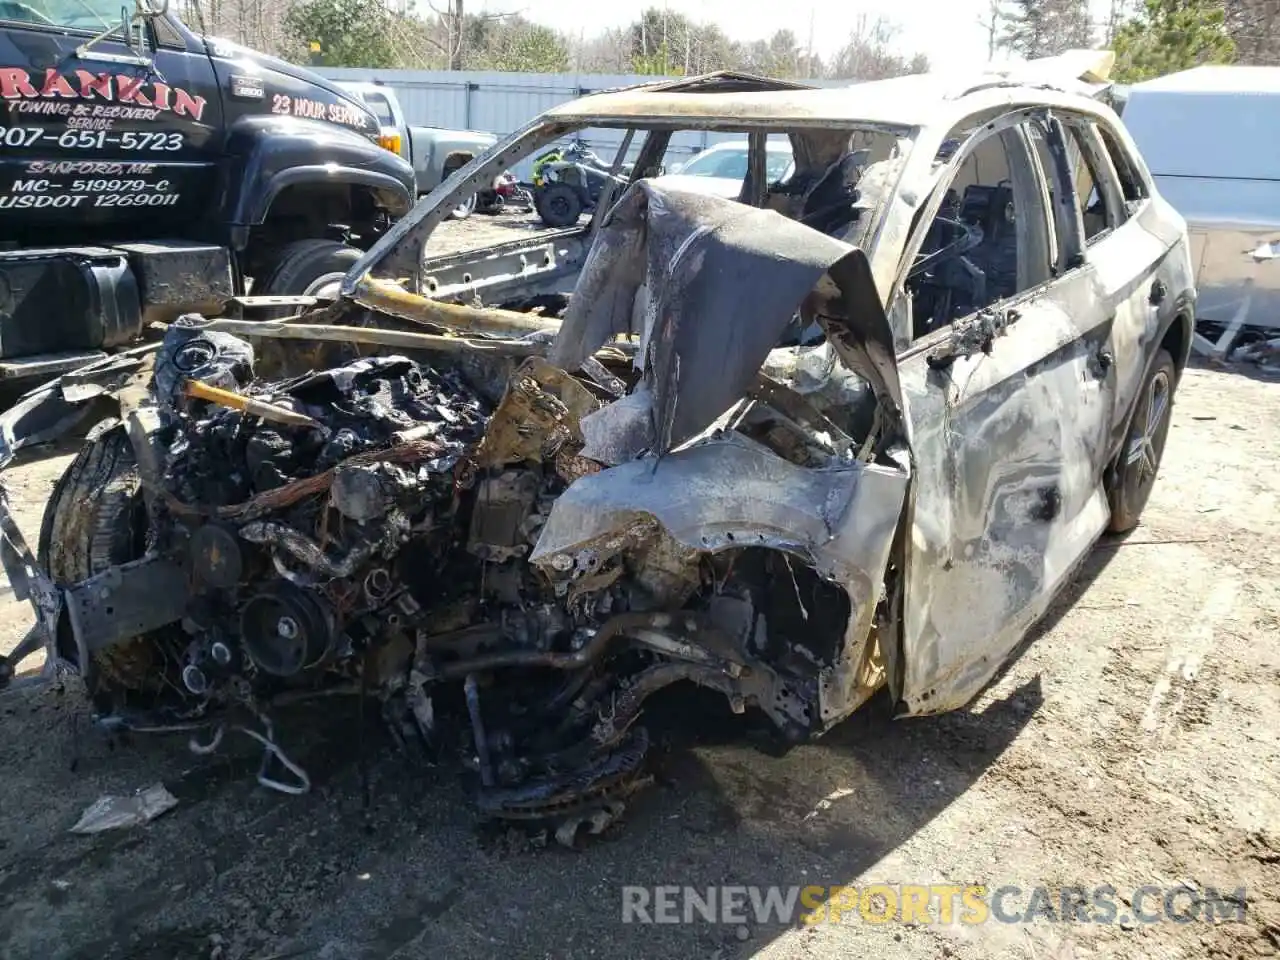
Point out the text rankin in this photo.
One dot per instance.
(18, 84)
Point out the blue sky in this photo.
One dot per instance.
(947, 30)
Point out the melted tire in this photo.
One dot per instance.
(605, 778)
(96, 519)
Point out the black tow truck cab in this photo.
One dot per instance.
(147, 171)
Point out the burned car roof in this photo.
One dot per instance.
(898, 102)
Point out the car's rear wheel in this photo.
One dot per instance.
(1135, 474)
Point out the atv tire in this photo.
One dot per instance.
(559, 204)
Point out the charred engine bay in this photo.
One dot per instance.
(372, 529)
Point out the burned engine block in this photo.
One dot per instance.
(373, 529)
(293, 536)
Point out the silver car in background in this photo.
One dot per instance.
(721, 168)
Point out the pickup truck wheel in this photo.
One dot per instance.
(464, 209)
(308, 268)
(1135, 475)
(559, 205)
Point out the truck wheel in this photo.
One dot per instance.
(1144, 446)
(464, 209)
(308, 268)
(559, 205)
(95, 519)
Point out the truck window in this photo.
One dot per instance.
(92, 16)
(380, 107)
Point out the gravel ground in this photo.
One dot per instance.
(1135, 740)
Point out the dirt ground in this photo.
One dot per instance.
(1134, 741)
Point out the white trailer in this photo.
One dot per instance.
(1211, 138)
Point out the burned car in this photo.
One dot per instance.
(850, 431)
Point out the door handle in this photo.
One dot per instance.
(1158, 291)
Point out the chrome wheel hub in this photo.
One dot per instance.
(326, 287)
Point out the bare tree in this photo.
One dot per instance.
(607, 52)
(1040, 28)
(991, 23)
(248, 22)
(456, 24)
(869, 53)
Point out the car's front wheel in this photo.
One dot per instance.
(1135, 474)
(95, 519)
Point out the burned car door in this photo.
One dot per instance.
(1127, 245)
(1006, 410)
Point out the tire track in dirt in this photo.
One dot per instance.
(1186, 656)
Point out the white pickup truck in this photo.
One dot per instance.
(434, 152)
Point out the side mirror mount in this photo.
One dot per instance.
(129, 29)
(971, 335)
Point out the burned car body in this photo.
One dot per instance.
(849, 431)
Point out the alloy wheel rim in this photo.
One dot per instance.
(1143, 453)
(465, 207)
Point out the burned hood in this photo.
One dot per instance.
(710, 286)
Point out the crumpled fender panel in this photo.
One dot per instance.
(730, 492)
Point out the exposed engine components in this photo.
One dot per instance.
(287, 629)
(498, 519)
(396, 538)
(215, 556)
(359, 492)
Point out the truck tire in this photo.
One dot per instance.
(1135, 475)
(96, 518)
(559, 204)
(464, 209)
(308, 268)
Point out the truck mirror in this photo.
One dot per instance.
(152, 8)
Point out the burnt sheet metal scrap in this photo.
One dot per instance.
(474, 569)
(710, 287)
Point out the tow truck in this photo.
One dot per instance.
(148, 171)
